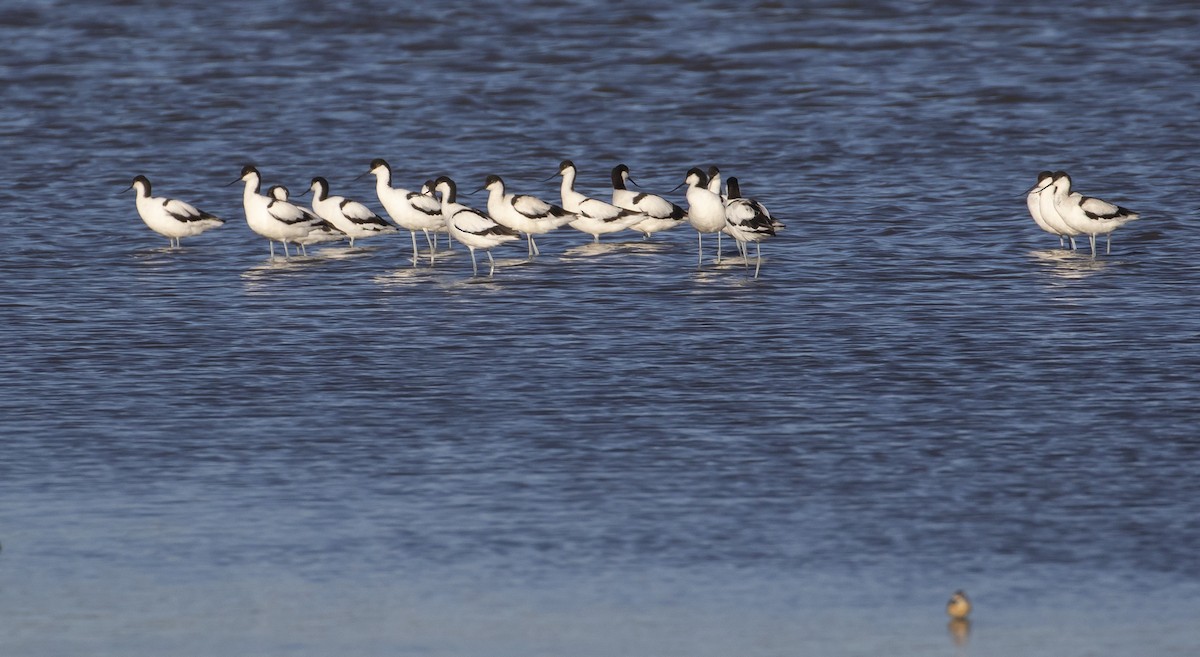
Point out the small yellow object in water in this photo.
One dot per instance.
(959, 606)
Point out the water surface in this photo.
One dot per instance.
(605, 451)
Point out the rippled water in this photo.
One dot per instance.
(605, 451)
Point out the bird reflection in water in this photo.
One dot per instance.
(958, 608)
(1067, 264)
(960, 630)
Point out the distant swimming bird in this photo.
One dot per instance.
(1090, 216)
(661, 214)
(171, 218)
(320, 231)
(523, 213)
(470, 226)
(706, 211)
(959, 606)
(1050, 213)
(596, 217)
(278, 221)
(412, 211)
(746, 220)
(351, 217)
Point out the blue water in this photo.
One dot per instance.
(605, 451)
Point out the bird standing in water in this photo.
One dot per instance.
(959, 606)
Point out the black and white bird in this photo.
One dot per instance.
(746, 220)
(411, 211)
(1090, 216)
(473, 228)
(1050, 213)
(714, 181)
(171, 218)
(320, 231)
(706, 211)
(354, 219)
(596, 217)
(427, 190)
(661, 214)
(278, 221)
(1033, 201)
(523, 213)
(714, 186)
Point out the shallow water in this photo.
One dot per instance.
(604, 451)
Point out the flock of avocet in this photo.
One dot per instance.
(1059, 211)
(508, 216)
(1054, 207)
